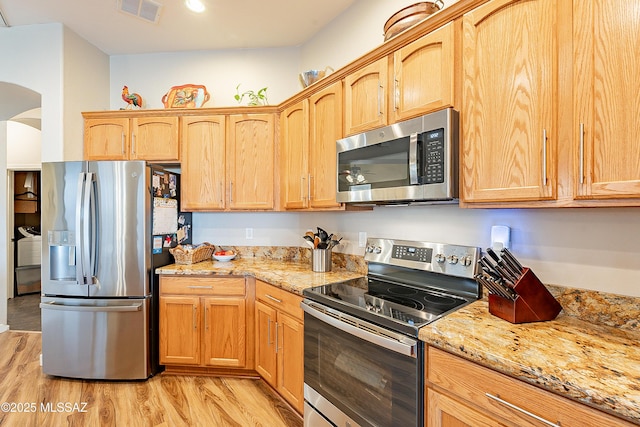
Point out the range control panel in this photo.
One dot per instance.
(454, 260)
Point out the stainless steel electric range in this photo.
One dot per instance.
(363, 362)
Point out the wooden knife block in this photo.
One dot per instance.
(533, 304)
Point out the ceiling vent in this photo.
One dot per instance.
(144, 9)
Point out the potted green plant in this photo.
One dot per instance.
(255, 98)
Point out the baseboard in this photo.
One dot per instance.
(3, 328)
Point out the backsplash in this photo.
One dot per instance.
(340, 261)
(618, 311)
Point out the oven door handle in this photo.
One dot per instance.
(403, 344)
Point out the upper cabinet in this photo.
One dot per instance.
(203, 163)
(308, 134)
(509, 103)
(109, 136)
(251, 161)
(423, 74)
(606, 70)
(365, 98)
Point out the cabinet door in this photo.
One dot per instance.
(607, 66)
(509, 108)
(225, 332)
(325, 122)
(266, 342)
(423, 75)
(294, 143)
(443, 411)
(250, 154)
(106, 139)
(365, 107)
(179, 330)
(290, 350)
(203, 163)
(155, 139)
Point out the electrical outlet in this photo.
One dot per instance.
(362, 239)
(248, 233)
(500, 237)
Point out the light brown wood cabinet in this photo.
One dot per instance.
(203, 322)
(280, 342)
(228, 162)
(423, 75)
(461, 393)
(122, 136)
(308, 134)
(509, 102)
(203, 171)
(606, 70)
(251, 161)
(365, 97)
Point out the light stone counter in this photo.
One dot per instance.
(287, 268)
(594, 364)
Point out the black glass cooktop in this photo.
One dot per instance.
(401, 307)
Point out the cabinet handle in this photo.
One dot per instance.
(519, 409)
(544, 157)
(276, 338)
(396, 92)
(581, 153)
(309, 186)
(200, 287)
(379, 98)
(195, 323)
(269, 332)
(273, 298)
(206, 317)
(302, 188)
(133, 143)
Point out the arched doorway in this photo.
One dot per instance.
(20, 106)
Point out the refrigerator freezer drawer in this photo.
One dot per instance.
(95, 339)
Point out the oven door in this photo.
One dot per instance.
(357, 373)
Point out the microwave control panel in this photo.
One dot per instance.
(433, 157)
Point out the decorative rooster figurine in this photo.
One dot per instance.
(133, 99)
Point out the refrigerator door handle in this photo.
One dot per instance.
(93, 224)
(86, 308)
(79, 237)
(86, 229)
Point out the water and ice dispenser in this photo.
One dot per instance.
(62, 255)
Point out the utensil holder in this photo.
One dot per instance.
(321, 260)
(534, 302)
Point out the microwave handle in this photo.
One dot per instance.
(413, 159)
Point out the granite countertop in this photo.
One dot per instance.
(293, 276)
(594, 364)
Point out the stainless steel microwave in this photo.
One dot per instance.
(414, 161)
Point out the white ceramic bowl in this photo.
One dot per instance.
(224, 257)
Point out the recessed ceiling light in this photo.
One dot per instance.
(195, 5)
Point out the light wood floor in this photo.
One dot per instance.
(164, 400)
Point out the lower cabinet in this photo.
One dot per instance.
(461, 393)
(204, 322)
(279, 342)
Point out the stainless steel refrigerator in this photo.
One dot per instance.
(105, 227)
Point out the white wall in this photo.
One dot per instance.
(23, 147)
(153, 75)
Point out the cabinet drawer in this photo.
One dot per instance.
(481, 386)
(279, 299)
(202, 285)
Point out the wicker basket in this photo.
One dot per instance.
(192, 256)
